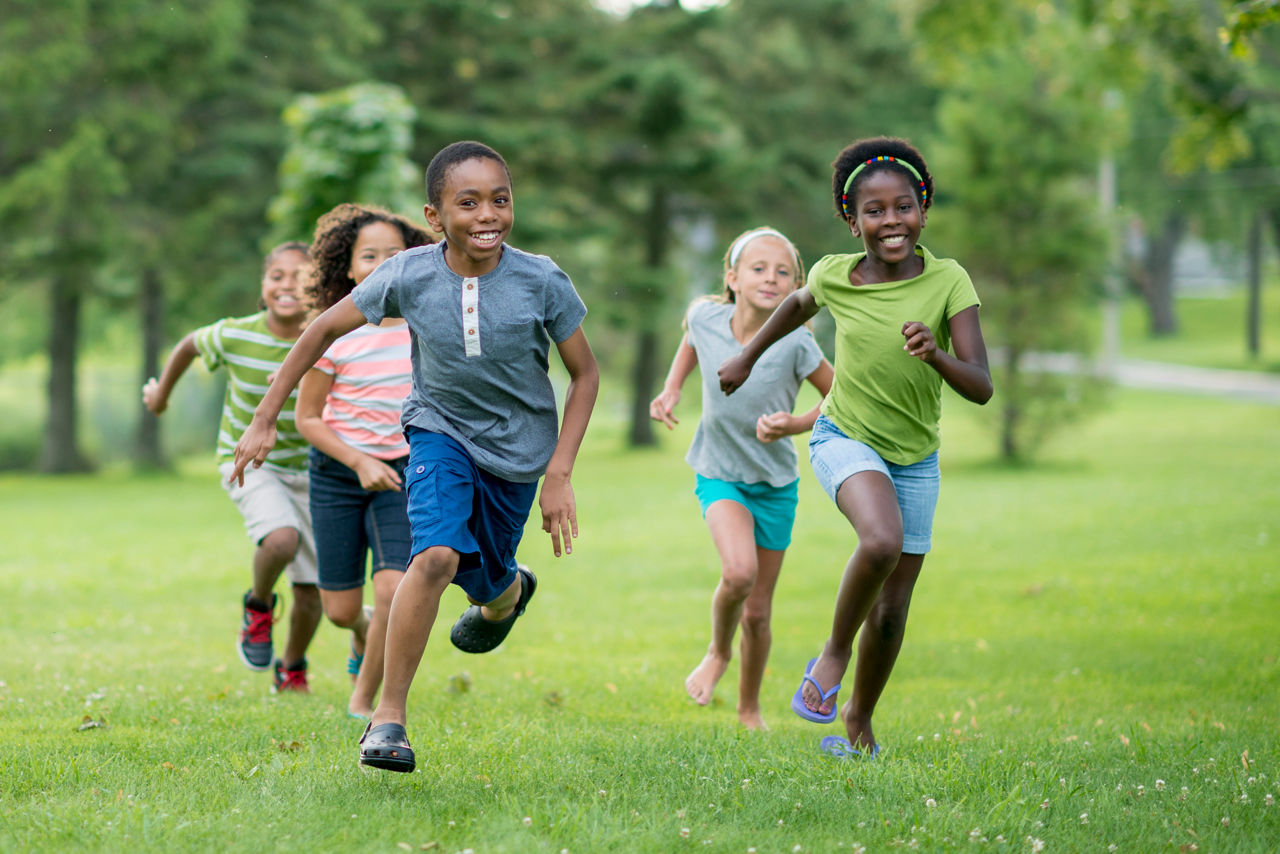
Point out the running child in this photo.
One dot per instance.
(905, 323)
(480, 420)
(349, 410)
(746, 479)
(273, 501)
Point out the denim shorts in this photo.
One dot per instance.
(455, 503)
(835, 458)
(352, 523)
(772, 508)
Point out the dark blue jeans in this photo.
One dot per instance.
(351, 523)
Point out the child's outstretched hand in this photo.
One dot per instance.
(920, 341)
(771, 428)
(662, 407)
(733, 373)
(151, 397)
(258, 440)
(559, 512)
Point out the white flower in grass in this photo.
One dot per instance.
(858, 848)
(1160, 785)
(1113, 847)
(1142, 790)
(528, 821)
(1000, 838)
(1269, 800)
(1084, 818)
(603, 793)
(1037, 845)
(1252, 780)
(930, 803)
(1226, 820)
(1044, 805)
(779, 822)
(1244, 797)
(796, 850)
(684, 833)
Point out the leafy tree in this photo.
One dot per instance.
(1019, 138)
(348, 145)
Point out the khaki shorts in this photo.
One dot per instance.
(270, 500)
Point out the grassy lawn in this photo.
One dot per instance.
(1211, 332)
(1091, 665)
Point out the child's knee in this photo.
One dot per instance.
(755, 621)
(344, 613)
(737, 580)
(281, 544)
(306, 598)
(436, 565)
(888, 620)
(881, 548)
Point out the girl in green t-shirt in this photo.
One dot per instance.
(905, 323)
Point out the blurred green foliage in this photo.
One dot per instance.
(151, 150)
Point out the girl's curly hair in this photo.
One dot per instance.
(858, 153)
(335, 238)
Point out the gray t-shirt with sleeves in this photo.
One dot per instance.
(479, 351)
(725, 446)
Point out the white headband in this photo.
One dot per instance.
(741, 243)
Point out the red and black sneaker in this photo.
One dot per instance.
(254, 645)
(291, 678)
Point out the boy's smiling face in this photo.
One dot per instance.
(282, 285)
(475, 215)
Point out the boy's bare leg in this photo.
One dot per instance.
(413, 613)
(385, 584)
(870, 503)
(878, 649)
(757, 637)
(733, 532)
(272, 555)
(505, 603)
(304, 619)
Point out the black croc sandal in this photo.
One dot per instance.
(473, 633)
(386, 746)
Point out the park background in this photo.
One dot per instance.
(1091, 660)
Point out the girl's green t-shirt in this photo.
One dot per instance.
(882, 396)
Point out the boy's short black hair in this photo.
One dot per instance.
(863, 150)
(451, 155)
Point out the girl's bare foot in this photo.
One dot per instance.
(701, 683)
(752, 719)
(859, 730)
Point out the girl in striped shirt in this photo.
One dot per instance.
(349, 410)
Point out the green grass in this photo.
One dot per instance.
(1091, 661)
(1211, 332)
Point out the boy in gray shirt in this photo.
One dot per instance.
(480, 421)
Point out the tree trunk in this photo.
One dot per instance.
(645, 371)
(147, 452)
(60, 453)
(1253, 280)
(1011, 413)
(1157, 287)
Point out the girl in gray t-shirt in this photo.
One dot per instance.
(746, 478)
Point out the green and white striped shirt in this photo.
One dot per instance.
(252, 354)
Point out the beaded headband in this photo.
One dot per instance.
(848, 182)
(735, 251)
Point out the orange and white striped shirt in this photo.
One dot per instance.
(372, 375)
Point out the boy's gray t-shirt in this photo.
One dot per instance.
(725, 446)
(479, 350)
